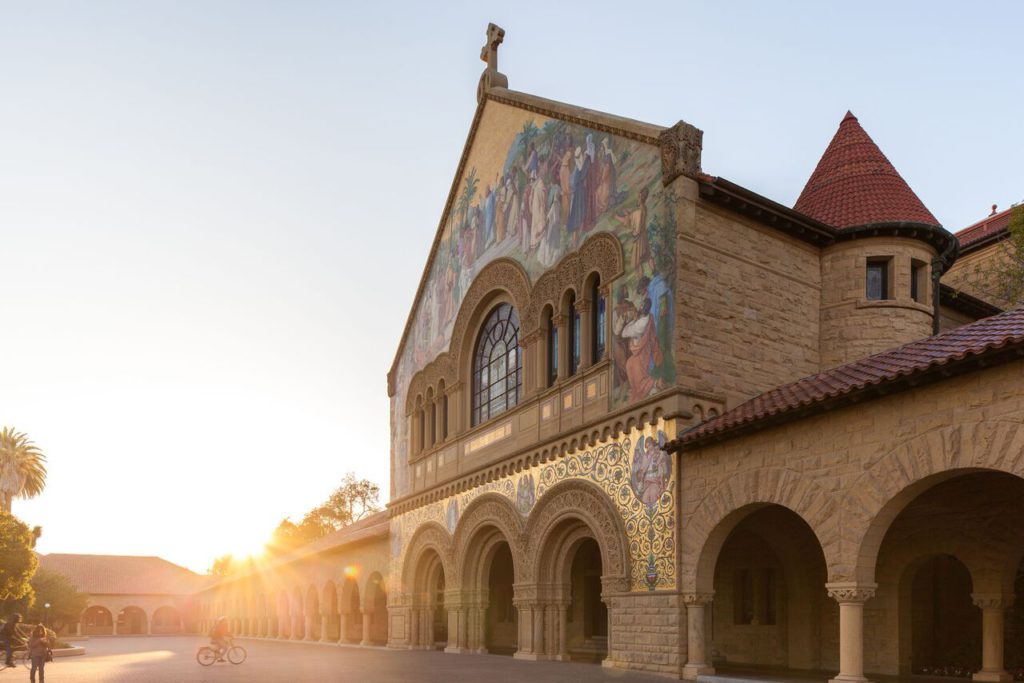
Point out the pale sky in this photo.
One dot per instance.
(214, 216)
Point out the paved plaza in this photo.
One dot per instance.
(172, 660)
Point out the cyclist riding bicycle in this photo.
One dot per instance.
(10, 638)
(220, 637)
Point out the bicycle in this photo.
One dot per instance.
(20, 656)
(208, 655)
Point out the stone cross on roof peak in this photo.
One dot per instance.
(491, 78)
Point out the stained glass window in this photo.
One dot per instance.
(497, 365)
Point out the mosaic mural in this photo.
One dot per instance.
(634, 470)
(533, 189)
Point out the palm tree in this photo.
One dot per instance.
(22, 468)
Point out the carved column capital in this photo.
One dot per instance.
(681, 147)
(698, 598)
(987, 601)
(849, 591)
(582, 306)
(558, 320)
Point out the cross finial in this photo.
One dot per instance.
(489, 53)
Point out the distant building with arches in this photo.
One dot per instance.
(129, 595)
(645, 416)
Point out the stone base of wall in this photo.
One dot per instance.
(647, 632)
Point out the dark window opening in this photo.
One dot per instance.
(552, 352)
(598, 321)
(877, 284)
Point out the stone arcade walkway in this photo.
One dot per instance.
(172, 660)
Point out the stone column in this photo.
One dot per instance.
(561, 323)
(586, 331)
(851, 597)
(563, 631)
(325, 626)
(367, 618)
(297, 623)
(342, 627)
(310, 620)
(697, 606)
(992, 611)
(414, 628)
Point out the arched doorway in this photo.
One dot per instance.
(97, 621)
(167, 619)
(351, 612)
(312, 610)
(131, 621)
(770, 607)
(376, 608)
(330, 620)
(945, 570)
(941, 625)
(501, 621)
(588, 615)
(298, 615)
(429, 619)
(284, 616)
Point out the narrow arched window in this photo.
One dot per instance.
(574, 336)
(598, 320)
(552, 349)
(497, 366)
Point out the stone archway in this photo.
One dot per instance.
(298, 614)
(375, 611)
(427, 569)
(330, 626)
(167, 619)
(97, 620)
(284, 615)
(564, 520)
(967, 518)
(489, 560)
(132, 621)
(350, 608)
(311, 608)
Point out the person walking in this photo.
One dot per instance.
(39, 651)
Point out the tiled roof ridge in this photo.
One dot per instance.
(913, 358)
(993, 225)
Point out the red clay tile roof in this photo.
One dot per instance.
(988, 227)
(124, 574)
(981, 337)
(855, 184)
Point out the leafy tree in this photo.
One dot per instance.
(1001, 279)
(22, 468)
(222, 566)
(18, 561)
(54, 589)
(350, 502)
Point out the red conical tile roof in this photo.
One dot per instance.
(854, 184)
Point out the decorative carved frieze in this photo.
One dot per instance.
(987, 601)
(698, 598)
(851, 592)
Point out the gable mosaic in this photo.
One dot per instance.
(533, 190)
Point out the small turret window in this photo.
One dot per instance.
(918, 282)
(877, 281)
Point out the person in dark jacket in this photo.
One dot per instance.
(39, 644)
(9, 637)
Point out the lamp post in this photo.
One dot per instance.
(47, 618)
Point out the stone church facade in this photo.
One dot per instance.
(644, 416)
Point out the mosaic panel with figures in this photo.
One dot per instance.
(634, 470)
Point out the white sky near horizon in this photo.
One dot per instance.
(214, 216)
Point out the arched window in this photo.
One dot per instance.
(574, 335)
(552, 347)
(598, 321)
(497, 366)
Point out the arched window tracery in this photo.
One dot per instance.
(497, 365)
